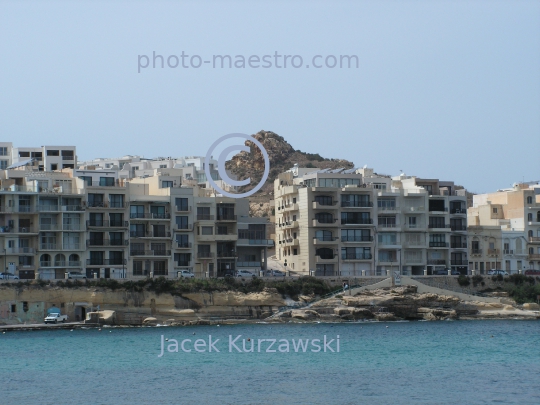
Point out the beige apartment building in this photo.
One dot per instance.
(504, 230)
(92, 222)
(355, 222)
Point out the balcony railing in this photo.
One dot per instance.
(61, 263)
(533, 256)
(107, 224)
(360, 221)
(354, 256)
(49, 227)
(205, 217)
(248, 264)
(21, 250)
(534, 239)
(70, 157)
(107, 242)
(357, 239)
(149, 215)
(229, 253)
(183, 208)
(226, 217)
(476, 252)
(438, 244)
(438, 226)
(493, 252)
(458, 211)
(436, 262)
(42, 208)
(459, 262)
(72, 246)
(387, 225)
(105, 262)
(48, 246)
(97, 204)
(436, 209)
(356, 204)
(458, 227)
(183, 227)
(115, 183)
(154, 252)
(183, 245)
(71, 227)
(325, 238)
(458, 245)
(255, 242)
(182, 263)
(205, 255)
(508, 252)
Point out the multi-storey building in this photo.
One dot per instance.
(354, 222)
(46, 158)
(505, 229)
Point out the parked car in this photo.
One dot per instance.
(440, 272)
(244, 273)
(456, 273)
(186, 274)
(55, 317)
(75, 274)
(8, 276)
(497, 272)
(275, 273)
(532, 272)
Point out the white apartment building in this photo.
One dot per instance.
(354, 222)
(505, 229)
(46, 158)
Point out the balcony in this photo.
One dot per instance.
(508, 252)
(182, 208)
(69, 157)
(49, 227)
(49, 246)
(105, 262)
(534, 239)
(291, 242)
(205, 217)
(360, 221)
(459, 262)
(439, 226)
(436, 262)
(388, 260)
(97, 204)
(225, 237)
(106, 224)
(70, 263)
(325, 240)
(458, 228)
(415, 244)
(387, 225)
(159, 252)
(357, 239)
(205, 255)
(389, 209)
(461, 211)
(357, 204)
(149, 215)
(71, 227)
(326, 259)
(48, 208)
(223, 218)
(415, 227)
(354, 256)
(290, 207)
(533, 256)
(25, 209)
(476, 252)
(71, 208)
(73, 246)
(493, 252)
(255, 242)
(438, 244)
(149, 234)
(107, 242)
(290, 224)
(183, 228)
(20, 250)
(115, 183)
(414, 209)
(24, 230)
(436, 210)
(183, 245)
(320, 206)
(462, 245)
(183, 263)
(227, 254)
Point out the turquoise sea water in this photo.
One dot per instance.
(378, 363)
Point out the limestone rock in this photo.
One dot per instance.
(304, 314)
(531, 306)
(150, 321)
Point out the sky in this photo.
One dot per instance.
(438, 89)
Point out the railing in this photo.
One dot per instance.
(25, 208)
(248, 264)
(105, 262)
(357, 239)
(114, 204)
(42, 208)
(493, 252)
(182, 263)
(107, 224)
(159, 252)
(325, 238)
(226, 254)
(115, 183)
(361, 221)
(183, 245)
(354, 256)
(226, 218)
(360, 204)
(205, 217)
(71, 246)
(97, 204)
(387, 225)
(60, 263)
(49, 227)
(71, 227)
(163, 234)
(205, 255)
(436, 261)
(68, 157)
(439, 226)
(458, 262)
(255, 242)
(458, 211)
(387, 259)
(385, 208)
(187, 227)
(20, 250)
(107, 242)
(47, 246)
(415, 226)
(533, 256)
(458, 227)
(148, 215)
(534, 239)
(183, 208)
(71, 208)
(458, 246)
(438, 244)
(445, 209)
(476, 252)
(508, 252)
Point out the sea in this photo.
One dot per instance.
(445, 362)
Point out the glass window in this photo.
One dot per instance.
(116, 200)
(182, 204)
(106, 181)
(136, 211)
(207, 230)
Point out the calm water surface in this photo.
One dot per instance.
(473, 362)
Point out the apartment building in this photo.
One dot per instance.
(505, 229)
(45, 158)
(355, 222)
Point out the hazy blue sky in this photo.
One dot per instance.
(446, 90)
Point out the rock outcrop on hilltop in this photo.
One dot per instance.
(282, 157)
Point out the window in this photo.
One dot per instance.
(116, 219)
(3, 151)
(96, 239)
(3, 164)
(166, 183)
(24, 154)
(324, 199)
(206, 230)
(182, 240)
(338, 182)
(136, 211)
(116, 238)
(387, 221)
(355, 218)
(158, 211)
(106, 181)
(494, 210)
(182, 222)
(54, 166)
(324, 236)
(529, 200)
(87, 180)
(116, 258)
(529, 217)
(387, 238)
(437, 240)
(355, 235)
(182, 259)
(95, 200)
(222, 230)
(295, 252)
(386, 204)
(52, 152)
(138, 268)
(136, 230)
(325, 253)
(436, 222)
(116, 200)
(182, 204)
(203, 213)
(355, 200)
(96, 219)
(324, 217)
(355, 253)
(379, 186)
(26, 260)
(413, 222)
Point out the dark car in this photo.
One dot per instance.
(440, 272)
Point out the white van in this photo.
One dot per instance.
(75, 274)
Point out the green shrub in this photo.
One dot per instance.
(477, 279)
(463, 281)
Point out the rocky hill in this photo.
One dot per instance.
(282, 157)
